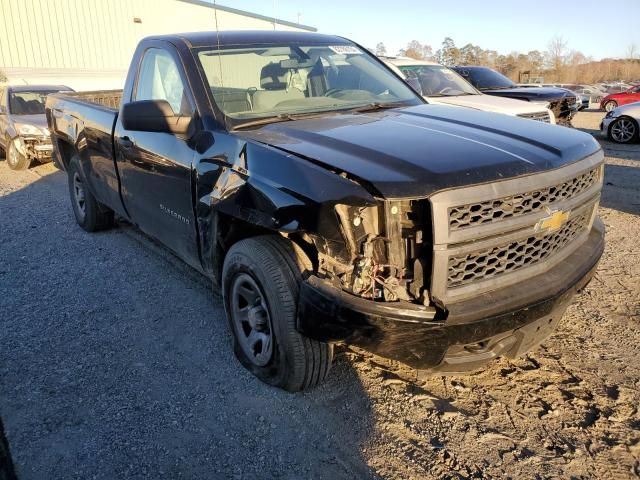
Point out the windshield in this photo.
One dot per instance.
(265, 81)
(28, 103)
(485, 78)
(437, 81)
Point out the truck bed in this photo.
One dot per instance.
(109, 99)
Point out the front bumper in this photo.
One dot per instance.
(36, 148)
(508, 322)
(604, 125)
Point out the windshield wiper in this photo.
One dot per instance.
(282, 117)
(497, 87)
(370, 107)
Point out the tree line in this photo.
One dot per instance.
(557, 64)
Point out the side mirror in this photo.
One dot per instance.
(416, 85)
(153, 116)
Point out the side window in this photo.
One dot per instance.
(159, 79)
(636, 90)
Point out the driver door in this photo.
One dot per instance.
(155, 168)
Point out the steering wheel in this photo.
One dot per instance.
(445, 90)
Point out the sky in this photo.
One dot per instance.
(595, 27)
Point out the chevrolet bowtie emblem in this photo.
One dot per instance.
(553, 221)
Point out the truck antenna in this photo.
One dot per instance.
(215, 14)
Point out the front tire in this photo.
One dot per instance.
(260, 280)
(610, 105)
(15, 159)
(623, 130)
(90, 214)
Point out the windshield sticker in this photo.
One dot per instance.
(346, 50)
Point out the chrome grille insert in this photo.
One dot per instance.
(539, 116)
(471, 214)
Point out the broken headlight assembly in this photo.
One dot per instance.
(384, 246)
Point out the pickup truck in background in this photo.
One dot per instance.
(562, 102)
(24, 136)
(330, 203)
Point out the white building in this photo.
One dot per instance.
(87, 44)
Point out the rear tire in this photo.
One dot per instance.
(90, 214)
(610, 105)
(260, 280)
(15, 159)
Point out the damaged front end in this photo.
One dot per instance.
(35, 147)
(385, 254)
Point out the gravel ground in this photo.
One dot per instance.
(115, 361)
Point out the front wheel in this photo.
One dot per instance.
(610, 105)
(15, 159)
(90, 214)
(260, 280)
(623, 130)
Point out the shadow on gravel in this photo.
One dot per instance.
(621, 189)
(121, 365)
(6, 464)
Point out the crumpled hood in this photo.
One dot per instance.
(415, 151)
(533, 94)
(39, 121)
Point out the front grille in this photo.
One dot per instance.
(490, 262)
(491, 235)
(538, 116)
(478, 213)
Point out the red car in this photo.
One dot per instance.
(615, 99)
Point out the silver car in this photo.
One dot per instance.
(621, 124)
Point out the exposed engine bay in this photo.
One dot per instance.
(388, 249)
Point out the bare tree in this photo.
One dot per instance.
(556, 52)
(632, 51)
(416, 50)
(381, 50)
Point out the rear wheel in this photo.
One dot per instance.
(15, 159)
(260, 280)
(90, 214)
(623, 130)
(610, 105)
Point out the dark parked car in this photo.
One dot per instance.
(24, 136)
(560, 101)
(329, 203)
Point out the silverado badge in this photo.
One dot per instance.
(553, 222)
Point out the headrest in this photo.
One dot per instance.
(274, 77)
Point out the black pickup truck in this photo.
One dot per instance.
(329, 203)
(562, 102)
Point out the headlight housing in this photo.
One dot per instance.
(26, 130)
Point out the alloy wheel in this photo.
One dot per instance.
(12, 154)
(251, 319)
(610, 106)
(623, 130)
(79, 195)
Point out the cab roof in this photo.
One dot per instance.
(37, 88)
(251, 37)
(406, 61)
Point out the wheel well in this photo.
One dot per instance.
(66, 151)
(231, 230)
(627, 117)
